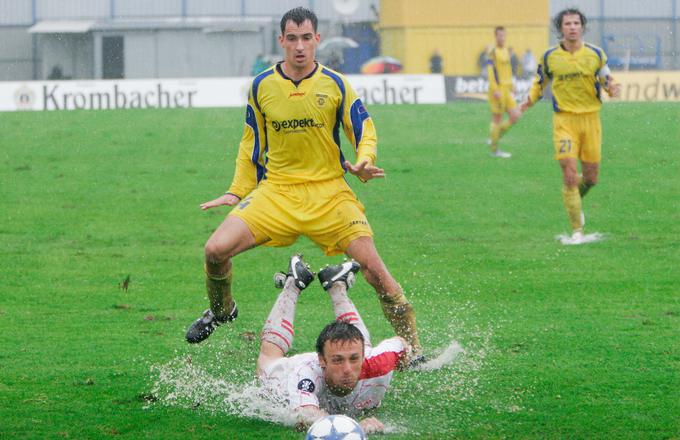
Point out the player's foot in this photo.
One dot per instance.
(417, 360)
(298, 270)
(206, 324)
(344, 272)
(501, 154)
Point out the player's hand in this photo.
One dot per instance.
(524, 106)
(371, 425)
(364, 171)
(227, 199)
(497, 95)
(614, 90)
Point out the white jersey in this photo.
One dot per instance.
(299, 380)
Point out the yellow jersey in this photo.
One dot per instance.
(576, 80)
(499, 68)
(292, 129)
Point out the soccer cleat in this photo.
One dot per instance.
(344, 272)
(206, 324)
(297, 269)
(417, 361)
(579, 237)
(501, 154)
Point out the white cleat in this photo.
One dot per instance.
(579, 237)
(501, 154)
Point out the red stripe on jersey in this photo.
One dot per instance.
(379, 365)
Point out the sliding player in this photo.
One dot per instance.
(346, 375)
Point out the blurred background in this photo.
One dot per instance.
(131, 39)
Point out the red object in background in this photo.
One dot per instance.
(381, 65)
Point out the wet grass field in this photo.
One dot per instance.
(559, 342)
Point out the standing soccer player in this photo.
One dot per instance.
(289, 178)
(501, 100)
(578, 72)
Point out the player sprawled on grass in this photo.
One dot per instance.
(346, 375)
(578, 72)
(501, 99)
(289, 178)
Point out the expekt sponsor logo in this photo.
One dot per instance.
(56, 97)
(295, 124)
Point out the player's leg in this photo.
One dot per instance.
(495, 128)
(570, 193)
(278, 332)
(395, 306)
(590, 171)
(260, 218)
(336, 280)
(340, 225)
(567, 145)
(590, 152)
(231, 238)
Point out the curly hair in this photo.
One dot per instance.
(557, 21)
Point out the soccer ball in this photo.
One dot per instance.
(335, 428)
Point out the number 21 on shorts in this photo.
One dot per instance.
(565, 145)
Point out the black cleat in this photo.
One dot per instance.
(206, 324)
(344, 272)
(297, 269)
(417, 361)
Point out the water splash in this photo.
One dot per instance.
(459, 341)
(180, 382)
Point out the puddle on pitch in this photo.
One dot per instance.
(207, 383)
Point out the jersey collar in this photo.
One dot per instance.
(296, 83)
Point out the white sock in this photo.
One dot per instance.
(345, 310)
(278, 328)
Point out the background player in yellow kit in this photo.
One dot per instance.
(501, 100)
(578, 72)
(289, 178)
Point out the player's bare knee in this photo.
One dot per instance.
(214, 254)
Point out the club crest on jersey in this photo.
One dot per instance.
(321, 99)
(306, 385)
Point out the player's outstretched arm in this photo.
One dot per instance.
(225, 200)
(364, 171)
(371, 425)
(524, 106)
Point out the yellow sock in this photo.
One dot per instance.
(572, 203)
(399, 312)
(495, 130)
(219, 293)
(504, 126)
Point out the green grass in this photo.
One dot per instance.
(561, 342)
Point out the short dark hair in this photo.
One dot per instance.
(338, 331)
(498, 28)
(298, 16)
(557, 21)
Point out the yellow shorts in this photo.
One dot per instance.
(327, 212)
(505, 103)
(577, 136)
